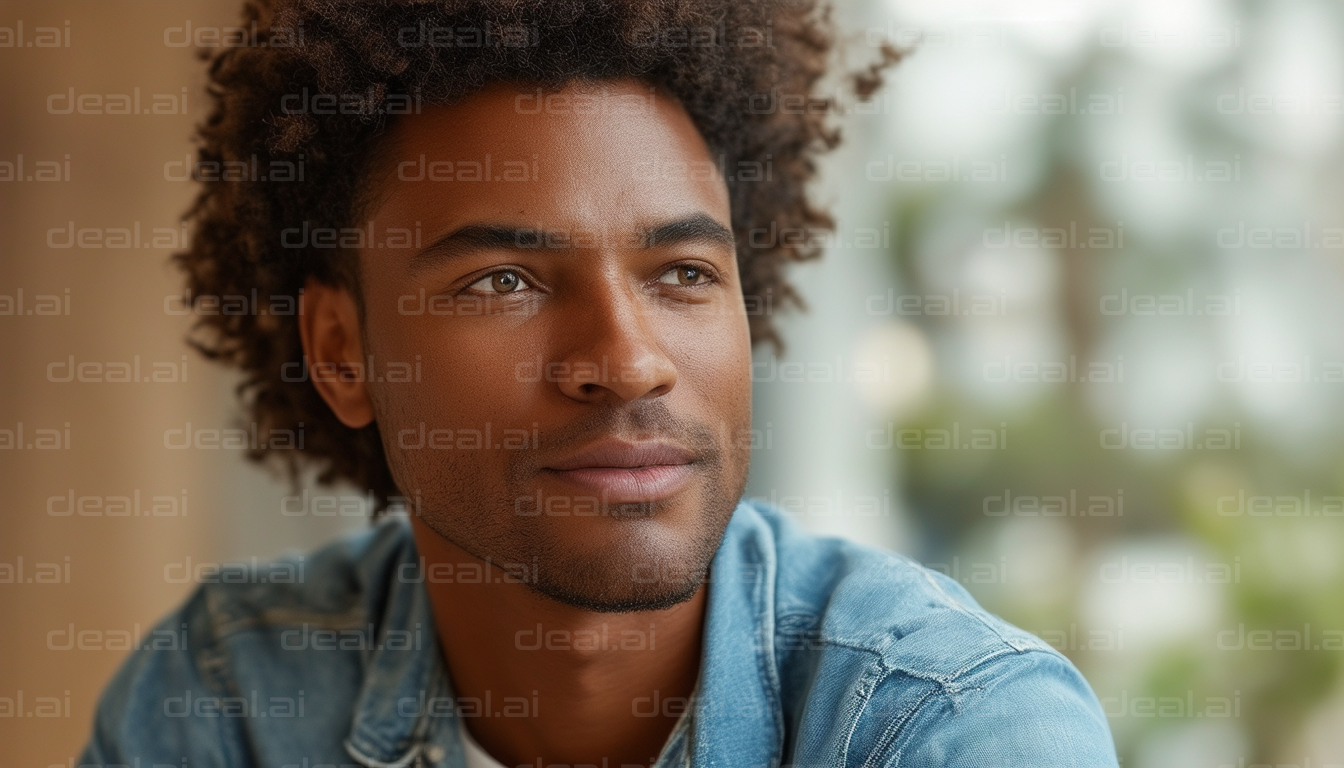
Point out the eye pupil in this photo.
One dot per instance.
(504, 282)
(689, 275)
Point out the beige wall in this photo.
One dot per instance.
(116, 313)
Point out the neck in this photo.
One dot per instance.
(563, 684)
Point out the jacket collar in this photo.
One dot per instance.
(400, 682)
(737, 720)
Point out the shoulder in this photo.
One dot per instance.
(878, 601)
(909, 666)
(349, 577)
(224, 649)
(1025, 709)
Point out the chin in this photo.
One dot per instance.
(656, 597)
(628, 561)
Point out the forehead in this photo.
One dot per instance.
(591, 154)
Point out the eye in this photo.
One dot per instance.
(504, 281)
(684, 274)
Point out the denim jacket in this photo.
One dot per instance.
(817, 652)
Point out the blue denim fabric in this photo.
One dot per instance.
(818, 652)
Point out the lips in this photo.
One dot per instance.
(619, 472)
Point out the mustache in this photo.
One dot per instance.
(640, 421)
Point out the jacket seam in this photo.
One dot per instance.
(940, 679)
(977, 615)
(937, 687)
(893, 731)
(766, 659)
(355, 618)
(863, 707)
(215, 664)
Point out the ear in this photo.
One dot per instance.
(329, 326)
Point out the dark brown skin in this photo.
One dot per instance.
(602, 337)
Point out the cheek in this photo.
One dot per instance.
(477, 373)
(470, 370)
(713, 359)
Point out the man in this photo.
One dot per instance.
(517, 237)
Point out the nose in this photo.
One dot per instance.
(614, 352)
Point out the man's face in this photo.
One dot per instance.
(571, 318)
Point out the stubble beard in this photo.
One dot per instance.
(649, 568)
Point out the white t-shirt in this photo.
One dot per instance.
(476, 757)
(479, 758)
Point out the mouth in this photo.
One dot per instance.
(622, 473)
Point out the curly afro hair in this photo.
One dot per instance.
(747, 72)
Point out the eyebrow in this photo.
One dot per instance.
(697, 227)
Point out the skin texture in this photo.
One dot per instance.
(583, 293)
